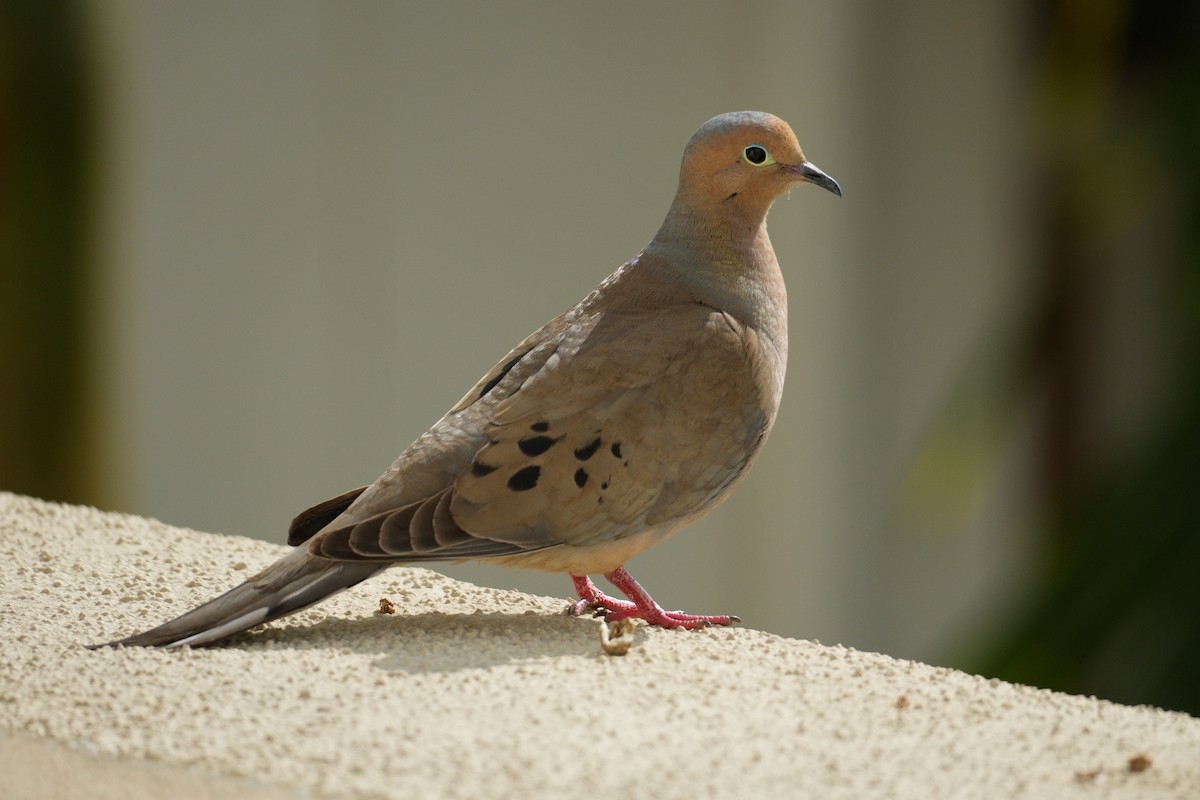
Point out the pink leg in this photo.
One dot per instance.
(641, 607)
(592, 599)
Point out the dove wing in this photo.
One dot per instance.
(577, 437)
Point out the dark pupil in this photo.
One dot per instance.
(756, 155)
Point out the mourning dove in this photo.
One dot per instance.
(610, 428)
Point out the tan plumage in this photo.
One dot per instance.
(608, 429)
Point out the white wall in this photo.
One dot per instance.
(324, 221)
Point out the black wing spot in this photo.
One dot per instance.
(524, 479)
(535, 445)
(604, 485)
(581, 477)
(487, 387)
(479, 469)
(616, 449)
(588, 450)
(540, 427)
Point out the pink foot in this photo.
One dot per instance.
(592, 599)
(641, 607)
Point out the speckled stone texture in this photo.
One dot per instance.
(471, 692)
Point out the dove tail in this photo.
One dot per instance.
(294, 582)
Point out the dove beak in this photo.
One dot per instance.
(810, 174)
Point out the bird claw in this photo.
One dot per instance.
(672, 619)
(643, 606)
(582, 606)
(601, 606)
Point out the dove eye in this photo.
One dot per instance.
(757, 154)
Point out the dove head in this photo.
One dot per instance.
(737, 164)
(733, 168)
(713, 242)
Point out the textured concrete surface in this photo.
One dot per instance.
(471, 692)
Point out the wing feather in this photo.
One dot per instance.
(568, 442)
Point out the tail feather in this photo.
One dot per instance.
(294, 582)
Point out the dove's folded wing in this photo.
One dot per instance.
(576, 438)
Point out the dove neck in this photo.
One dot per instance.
(724, 238)
(725, 262)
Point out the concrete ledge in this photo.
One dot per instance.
(472, 692)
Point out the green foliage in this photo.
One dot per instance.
(44, 139)
(1117, 613)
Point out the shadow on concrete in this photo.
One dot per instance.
(440, 642)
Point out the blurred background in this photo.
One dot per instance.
(249, 251)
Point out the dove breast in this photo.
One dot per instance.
(632, 428)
